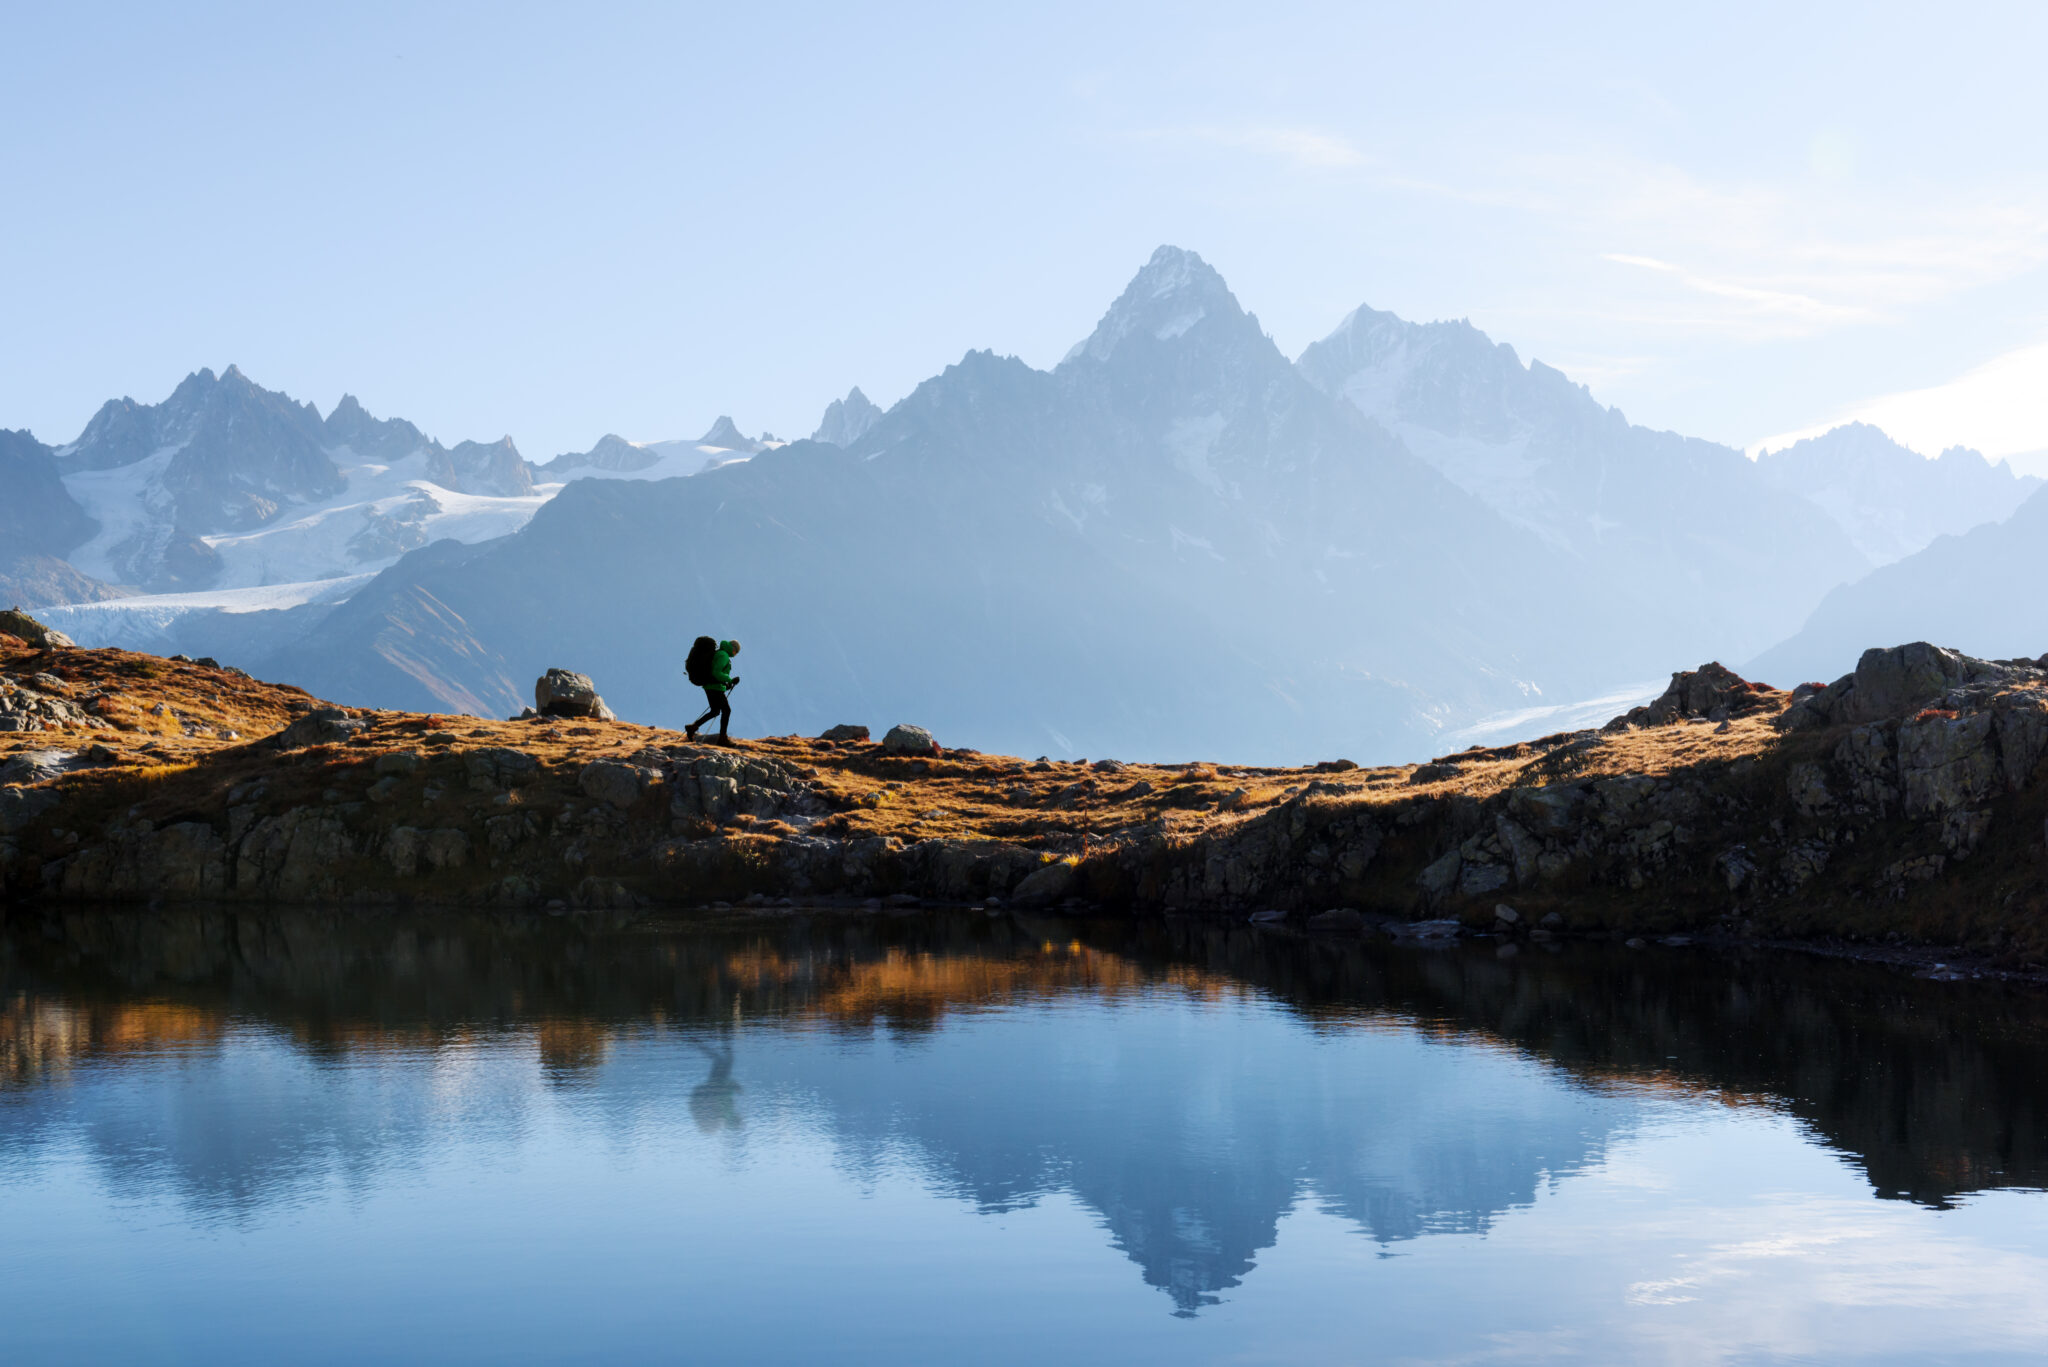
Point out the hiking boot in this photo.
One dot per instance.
(690, 732)
(726, 740)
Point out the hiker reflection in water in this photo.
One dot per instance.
(714, 1102)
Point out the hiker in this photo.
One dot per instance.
(710, 667)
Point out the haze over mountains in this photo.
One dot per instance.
(1175, 543)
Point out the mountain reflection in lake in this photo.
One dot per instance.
(326, 1136)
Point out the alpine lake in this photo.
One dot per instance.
(324, 1136)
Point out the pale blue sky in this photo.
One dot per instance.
(558, 221)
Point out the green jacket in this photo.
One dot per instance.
(721, 667)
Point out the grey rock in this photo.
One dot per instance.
(1806, 784)
(36, 766)
(19, 807)
(1547, 810)
(1048, 883)
(906, 739)
(621, 785)
(1337, 918)
(561, 693)
(299, 853)
(321, 726)
(845, 731)
(1477, 879)
(446, 848)
(1946, 763)
(184, 859)
(1507, 915)
(400, 762)
(1440, 877)
(1524, 850)
(497, 766)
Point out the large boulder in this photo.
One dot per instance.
(561, 693)
(909, 740)
(15, 622)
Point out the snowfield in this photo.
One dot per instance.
(147, 622)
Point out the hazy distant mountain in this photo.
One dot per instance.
(616, 458)
(40, 522)
(1170, 544)
(38, 515)
(847, 420)
(1980, 592)
(1890, 500)
(1676, 527)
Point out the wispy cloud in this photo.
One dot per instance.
(1310, 149)
(1763, 299)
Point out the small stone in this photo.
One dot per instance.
(1507, 915)
(1635, 942)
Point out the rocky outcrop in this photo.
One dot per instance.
(1712, 691)
(320, 726)
(43, 702)
(1891, 682)
(844, 732)
(15, 622)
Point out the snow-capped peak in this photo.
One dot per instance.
(726, 434)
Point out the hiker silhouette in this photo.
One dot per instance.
(709, 666)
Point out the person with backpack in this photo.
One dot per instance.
(710, 667)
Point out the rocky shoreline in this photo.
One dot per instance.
(1901, 806)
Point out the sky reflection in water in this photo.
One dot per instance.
(329, 1138)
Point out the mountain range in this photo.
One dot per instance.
(1176, 541)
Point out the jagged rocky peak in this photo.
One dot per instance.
(1176, 296)
(495, 468)
(847, 420)
(1447, 376)
(234, 453)
(725, 435)
(385, 439)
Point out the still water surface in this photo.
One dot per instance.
(321, 1137)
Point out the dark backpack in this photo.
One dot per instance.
(698, 666)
